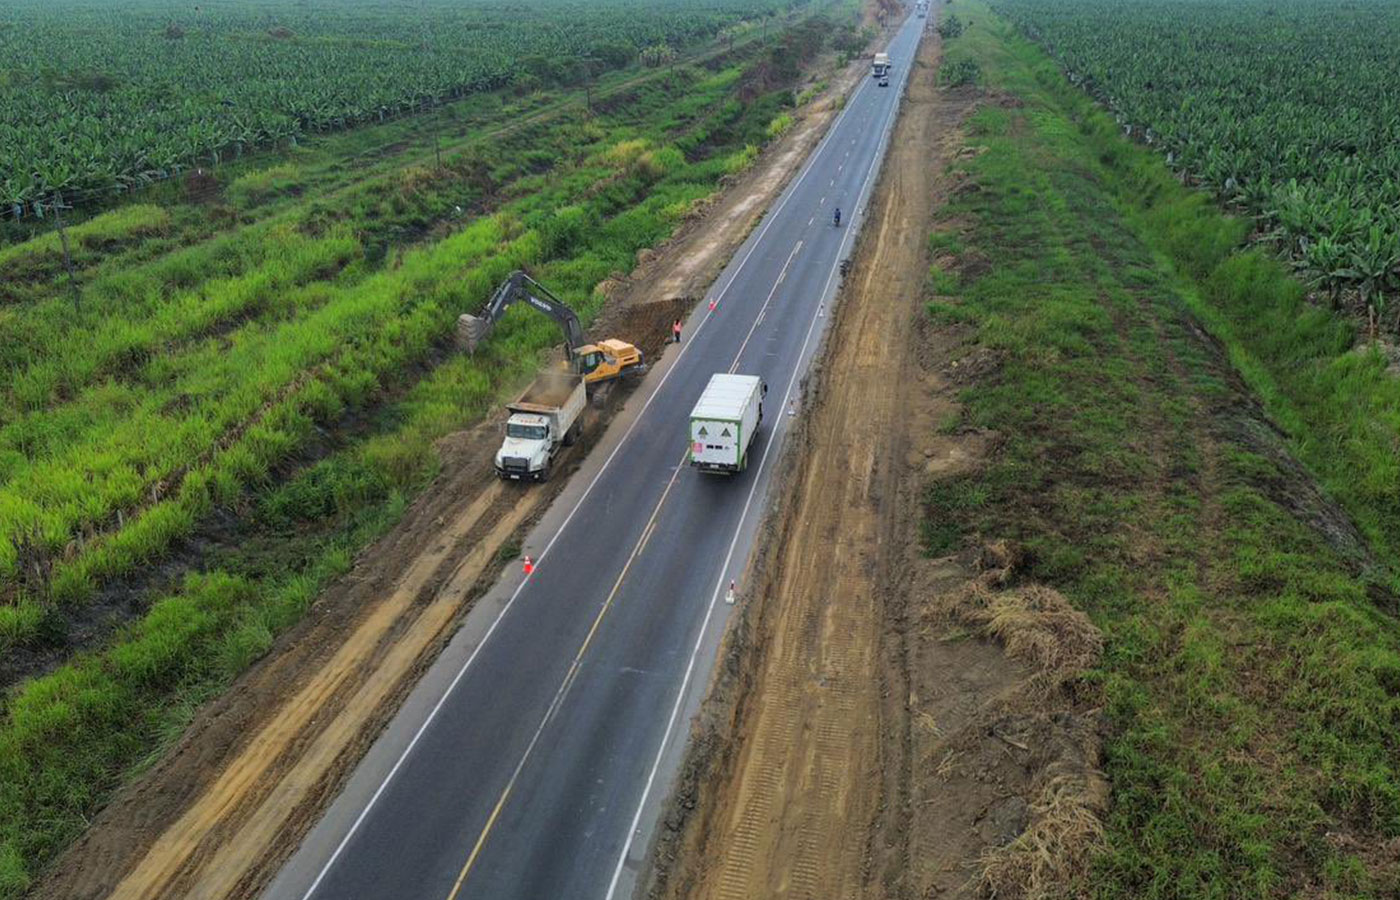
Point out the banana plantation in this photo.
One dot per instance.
(1288, 111)
(98, 100)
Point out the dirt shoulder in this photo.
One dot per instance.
(217, 815)
(869, 735)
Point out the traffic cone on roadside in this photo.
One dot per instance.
(528, 567)
(712, 304)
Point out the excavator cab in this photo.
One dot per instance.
(589, 359)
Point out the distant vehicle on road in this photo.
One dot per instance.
(724, 422)
(881, 66)
(543, 419)
(884, 82)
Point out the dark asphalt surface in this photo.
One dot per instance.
(520, 769)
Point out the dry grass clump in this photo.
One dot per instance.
(1037, 625)
(1050, 857)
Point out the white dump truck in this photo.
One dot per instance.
(881, 66)
(724, 422)
(544, 419)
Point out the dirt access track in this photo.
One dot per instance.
(220, 812)
(850, 748)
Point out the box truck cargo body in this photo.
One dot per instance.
(724, 422)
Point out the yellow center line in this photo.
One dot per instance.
(554, 705)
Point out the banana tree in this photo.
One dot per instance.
(1375, 268)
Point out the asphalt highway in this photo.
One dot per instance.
(531, 761)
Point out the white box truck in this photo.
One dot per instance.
(545, 418)
(881, 66)
(724, 422)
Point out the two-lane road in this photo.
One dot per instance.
(531, 760)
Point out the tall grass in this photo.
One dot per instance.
(44, 254)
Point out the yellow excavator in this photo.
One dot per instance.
(600, 363)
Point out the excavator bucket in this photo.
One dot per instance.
(471, 330)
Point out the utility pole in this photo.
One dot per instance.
(591, 67)
(63, 239)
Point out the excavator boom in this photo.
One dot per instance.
(472, 330)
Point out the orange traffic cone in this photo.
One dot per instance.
(712, 304)
(529, 567)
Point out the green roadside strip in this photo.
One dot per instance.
(1251, 678)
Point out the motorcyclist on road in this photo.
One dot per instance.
(836, 217)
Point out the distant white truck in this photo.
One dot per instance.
(544, 419)
(724, 422)
(881, 66)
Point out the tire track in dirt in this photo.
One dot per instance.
(199, 858)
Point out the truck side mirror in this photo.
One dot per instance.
(765, 389)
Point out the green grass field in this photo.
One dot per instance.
(1251, 677)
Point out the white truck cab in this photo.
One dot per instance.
(527, 446)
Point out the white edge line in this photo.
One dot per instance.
(743, 516)
(442, 701)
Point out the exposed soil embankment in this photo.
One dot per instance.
(225, 807)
